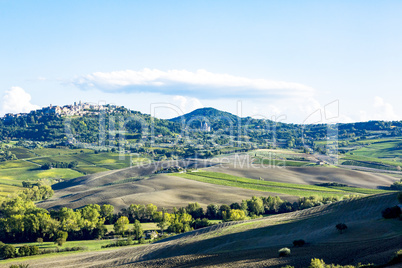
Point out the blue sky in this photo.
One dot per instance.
(275, 57)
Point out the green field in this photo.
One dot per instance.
(22, 153)
(12, 173)
(16, 164)
(375, 161)
(300, 190)
(284, 163)
(381, 149)
(33, 174)
(59, 151)
(90, 169)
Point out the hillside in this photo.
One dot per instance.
(255, 243)
(207, 113)
(138, 185)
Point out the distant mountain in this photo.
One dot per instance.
(207, 113)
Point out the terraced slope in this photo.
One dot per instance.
(369, 238)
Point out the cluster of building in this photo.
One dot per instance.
(77, 109)
(205, 127)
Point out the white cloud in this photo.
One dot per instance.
(16, 100)
(187, 104)
(201, 83)
(381, 111)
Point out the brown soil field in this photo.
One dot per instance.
(169, 191)
(160, 190)
(254, 243)
(243, 166)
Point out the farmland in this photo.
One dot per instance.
(257, 241)
(274, 187)
(28, 165)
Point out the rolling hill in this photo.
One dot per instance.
(254, 243)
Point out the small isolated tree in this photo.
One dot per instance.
(61, 238)
(391, 213)
(39, 240)
(299, 243)
(283, 252)
(341, 227)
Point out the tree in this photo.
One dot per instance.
(224, 211)
(150, 210)
(341, 227)
(106, 211)
(61, 238)
(255, 205)
(137, 230)
(24, 251)
(8, 251)
(212, 211)
(237, 215)
(120, 225)
(162, 218)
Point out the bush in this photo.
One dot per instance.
(7, 251)
(391, 213)
(341, 227)
(400, 197)
(299, 243)
(283, 252)
(397, 258)
(19, 266)
(24, 251)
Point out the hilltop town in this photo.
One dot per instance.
(76, 109)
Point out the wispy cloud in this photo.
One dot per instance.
(16, 100)
(200, 84)
(381, 110)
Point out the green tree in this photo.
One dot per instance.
(162, 218)
(106, 211)
(212, 211)
(120, 226)
(137, 230)
(237, 215)
(255, 205)
(61, 238)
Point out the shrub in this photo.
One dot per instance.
(341, 227)
(397, 258)
(19, 266)
(299, 243)
(317, 263)
(391, 213)
(8, 251)
(283, 252)
(24, 251)
(400, 197)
